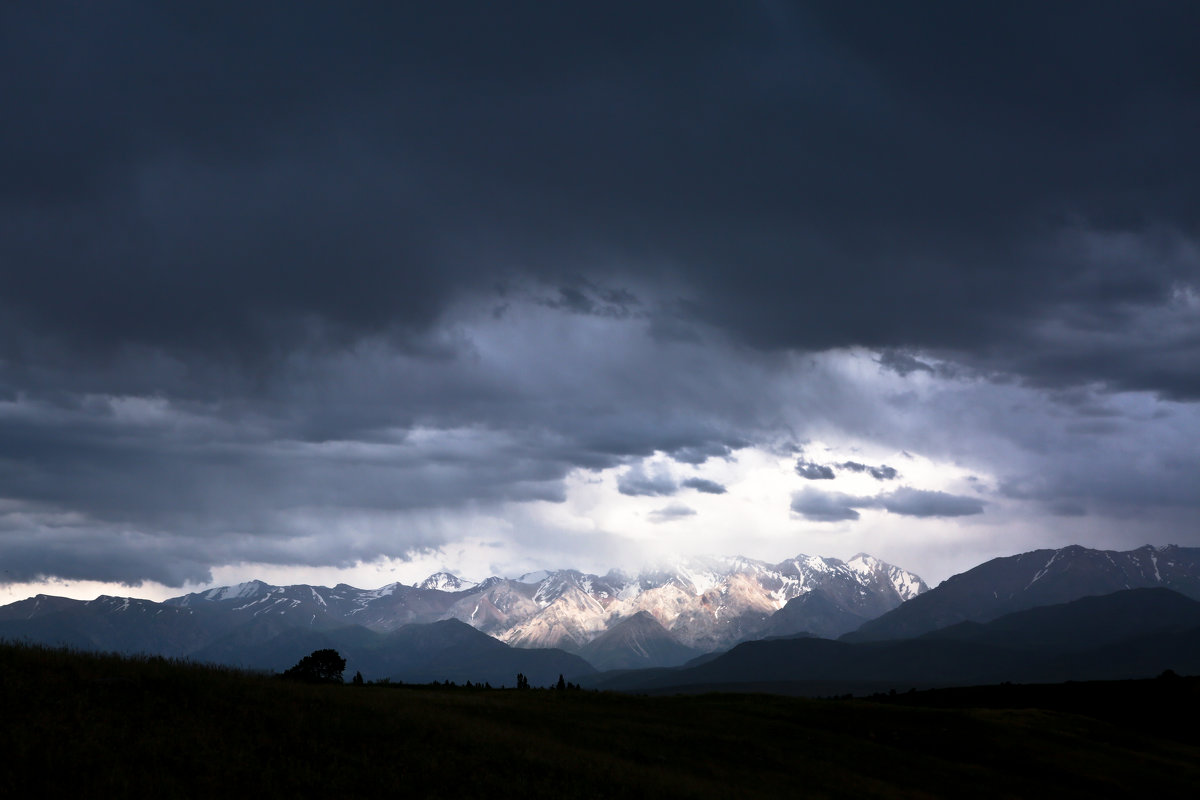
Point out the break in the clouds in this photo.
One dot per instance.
(316, 287)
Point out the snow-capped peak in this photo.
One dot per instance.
(537, 576)
(868, 568)
(445, 582)
(235, 592)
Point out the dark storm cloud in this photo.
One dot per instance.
(638, 482)
(921, 503)
(590, 299)
(902, 363)
(821, 506)
(814, 472)
(880, 473)
(704, 485)
(252, 178)
(269, 217)
(698, 455)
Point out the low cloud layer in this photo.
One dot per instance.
(880, 473)
(818, 506)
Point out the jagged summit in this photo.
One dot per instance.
(906, 584)
(704, 602)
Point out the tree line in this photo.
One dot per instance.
(328, 666)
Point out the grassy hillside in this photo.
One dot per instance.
(155, 728)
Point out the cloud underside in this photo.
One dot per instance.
(818, 506)
(384, 271)
(308, 199)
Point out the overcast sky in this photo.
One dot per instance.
(337, 292)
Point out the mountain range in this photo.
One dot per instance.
(1151, 631)
(1047, 615)
(1038, 578)
(659, 617)
(725, 623)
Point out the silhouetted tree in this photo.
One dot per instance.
(358, 679)
(522, 681)
(322, 666)
(561, 683)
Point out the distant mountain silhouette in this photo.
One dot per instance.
(1089, 622)
(39, 606)
(416, 653)
(118, 624)
(1128, 634)
(1039, 578)
(813, 613)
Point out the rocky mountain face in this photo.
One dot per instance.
(705, 604)
(636, 642)
(1038, 578)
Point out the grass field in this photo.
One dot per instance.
(149, 727)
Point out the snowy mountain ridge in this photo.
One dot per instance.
(445, 582)
(701, 604)
(704, 603)
(660, 616)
